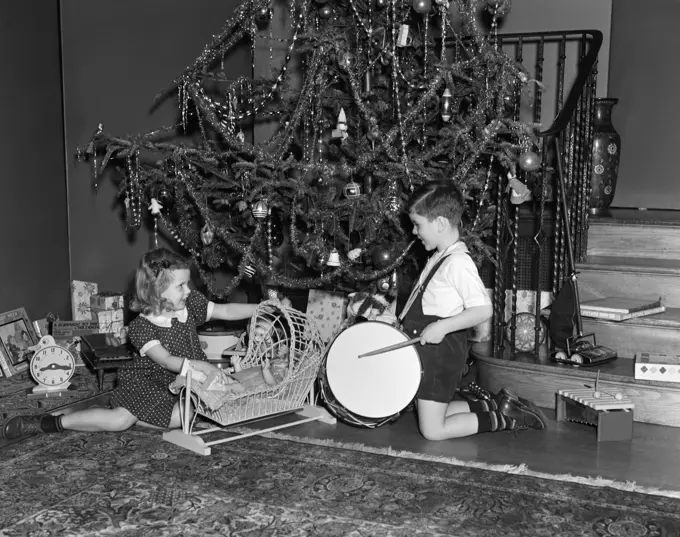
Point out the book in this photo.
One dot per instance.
(621, 304)
(614, 316)
(658, 358)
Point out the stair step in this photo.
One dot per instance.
(654, 241)
(658, 333)
(605, 276)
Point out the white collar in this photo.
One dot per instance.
(165, 321)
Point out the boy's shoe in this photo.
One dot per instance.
(525, 413)
(20, 427)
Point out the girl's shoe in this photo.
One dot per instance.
(20, 427)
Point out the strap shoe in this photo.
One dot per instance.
(20, 427)
(525, 414)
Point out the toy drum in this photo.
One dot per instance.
(373, 390)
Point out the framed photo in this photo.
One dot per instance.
(16, 336)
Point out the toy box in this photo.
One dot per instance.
(653, 366)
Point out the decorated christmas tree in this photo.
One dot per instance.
(388, 95)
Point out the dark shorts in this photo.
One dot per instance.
(443, 367)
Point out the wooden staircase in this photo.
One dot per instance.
(635, 254)
(630, 253)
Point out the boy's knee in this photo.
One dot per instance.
(430, 432)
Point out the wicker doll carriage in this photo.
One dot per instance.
(276, 333)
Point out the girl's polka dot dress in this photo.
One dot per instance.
(143, 384)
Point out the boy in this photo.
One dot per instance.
(448, 298)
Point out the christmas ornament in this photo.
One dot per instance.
(382, 3)
(368, 83)
(404, 37)
(368, 183)
(382, 257)
(393, 204)
(386, 57)
(333, 258)
(529, 161)
(264, 15)
(352, 190)
(249, 271)
(445, 104)
(354, 254)
(241, 206)
(340, 130)
(260, 210)
(519, 193)
(422, 6)
(164, 196)
(207, 234)
(346, 60)
(326, 12)
(383, 284)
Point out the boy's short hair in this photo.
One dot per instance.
(439, 197)
(152, 279)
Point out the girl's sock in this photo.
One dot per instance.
(51, 424)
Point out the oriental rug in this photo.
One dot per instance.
(134, 484)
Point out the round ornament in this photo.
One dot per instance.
(382, 257)
(346, 60)
(380, 4)
(529, 161)
(326, 12)
(51, 366)
(164, 196)
(264, 15)
(525, 340)
(352, 190)
(422, 6)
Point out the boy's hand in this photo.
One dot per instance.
(434, 334)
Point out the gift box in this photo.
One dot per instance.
(106, 300)
(109, 321)
(80, 299)
(663, 367)
(327, 310)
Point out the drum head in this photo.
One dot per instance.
(374, 386)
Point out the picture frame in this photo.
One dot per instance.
(17, 335)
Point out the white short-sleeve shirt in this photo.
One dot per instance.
(455, 286)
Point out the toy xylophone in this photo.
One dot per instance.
(612, 414)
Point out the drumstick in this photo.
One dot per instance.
(391, 347)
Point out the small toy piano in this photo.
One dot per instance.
(610, 413)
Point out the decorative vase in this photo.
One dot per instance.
(605, 157)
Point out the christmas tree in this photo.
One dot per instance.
(391, 94)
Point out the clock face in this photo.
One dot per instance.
(52, 366)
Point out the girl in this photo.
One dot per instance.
(165, 335)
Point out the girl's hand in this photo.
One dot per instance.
(434, 334)
(204, 367)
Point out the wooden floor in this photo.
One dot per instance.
(649, 460)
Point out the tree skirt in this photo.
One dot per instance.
(134, 484)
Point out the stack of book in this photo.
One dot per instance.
(620, 308)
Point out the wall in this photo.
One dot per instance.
(34, 267)
(117, 57)
(644, 76)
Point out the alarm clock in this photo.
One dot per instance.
(51, 366)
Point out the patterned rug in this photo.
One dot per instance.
(135, 484)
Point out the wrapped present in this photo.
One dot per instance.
(109, 321)
(106, 300)
(80, 299)
(328, 310)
